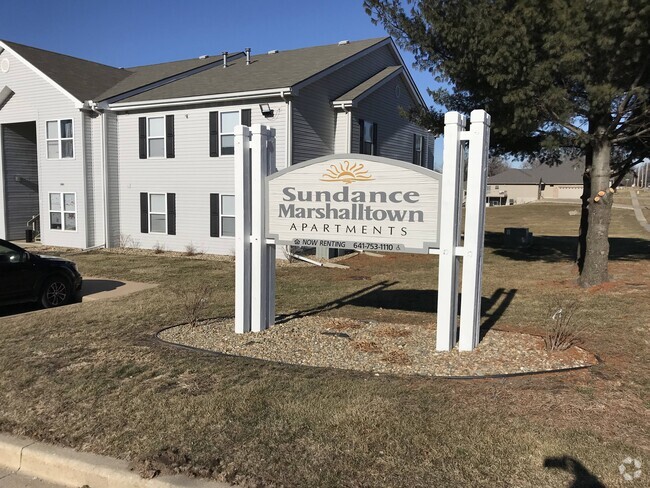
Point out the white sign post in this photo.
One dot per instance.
(359, 202)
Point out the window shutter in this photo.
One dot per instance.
(415, 141)
(361, 140)
(214, 134)
(142, 124)
(375, 147)
(214, 215)
(246, 117)
(144, 213)
(171, 214)
(169, 126)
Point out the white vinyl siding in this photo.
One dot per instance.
(193, 175)
(37, 100)
(314, 119)
(394, 132)
(59, 139)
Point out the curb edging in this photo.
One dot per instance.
(65, 466)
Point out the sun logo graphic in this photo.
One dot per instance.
(346, 172)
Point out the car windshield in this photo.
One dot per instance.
(9, 255)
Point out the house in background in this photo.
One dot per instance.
(514, 186)
(106, 156)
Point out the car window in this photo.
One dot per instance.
(8, 255)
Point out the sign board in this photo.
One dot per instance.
(356, 202)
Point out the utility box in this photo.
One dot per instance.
(517, 237)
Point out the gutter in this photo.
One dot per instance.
(170, 102)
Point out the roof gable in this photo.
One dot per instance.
(82, 79)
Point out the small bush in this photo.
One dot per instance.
(125, 241)
(191, 250)
(194, 302)
(158, 248)
(563, 327)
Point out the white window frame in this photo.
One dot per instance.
(62, 212)
(59, 139)
(150, 213)
(238, 111)
(222, 215)
(164, 137)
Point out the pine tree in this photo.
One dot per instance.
(555, 75)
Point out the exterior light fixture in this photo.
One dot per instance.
(266, 110)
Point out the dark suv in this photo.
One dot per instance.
(27, 277)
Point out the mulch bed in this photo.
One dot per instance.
(381, 348)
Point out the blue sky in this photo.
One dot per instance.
(136, 32)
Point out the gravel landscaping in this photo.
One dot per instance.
(378, 347)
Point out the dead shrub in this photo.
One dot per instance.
(563, 327)
(125, 241)
(392, 332)
(194, 302)
(191, 250)
(366, 346)
(397, 357)
(158, 248)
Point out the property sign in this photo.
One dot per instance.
(345, 202)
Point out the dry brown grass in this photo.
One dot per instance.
(90, 375)
(397, 357)
(342, 324)
(366, 346)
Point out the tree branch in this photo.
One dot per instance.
(631, 136)
(623, 105)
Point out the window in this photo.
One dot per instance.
(368, 140)
(9, 255)
(496, 187)
(227, 215)
(156, 137)
(63, 211)
(227, 132)
(59, 136)
(418, 149)
(158, 213)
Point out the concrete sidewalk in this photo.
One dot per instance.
(29, 464)
(11, 479)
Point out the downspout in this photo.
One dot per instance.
(84, 175)
(288, 129)
(104, 132)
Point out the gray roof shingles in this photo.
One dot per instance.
(82, 79)
(266, 71)
(368, 84)
(87, 80)
(567, 173)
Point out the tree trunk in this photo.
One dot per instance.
(584, 210)
(596, 251)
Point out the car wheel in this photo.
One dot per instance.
(56, 292)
